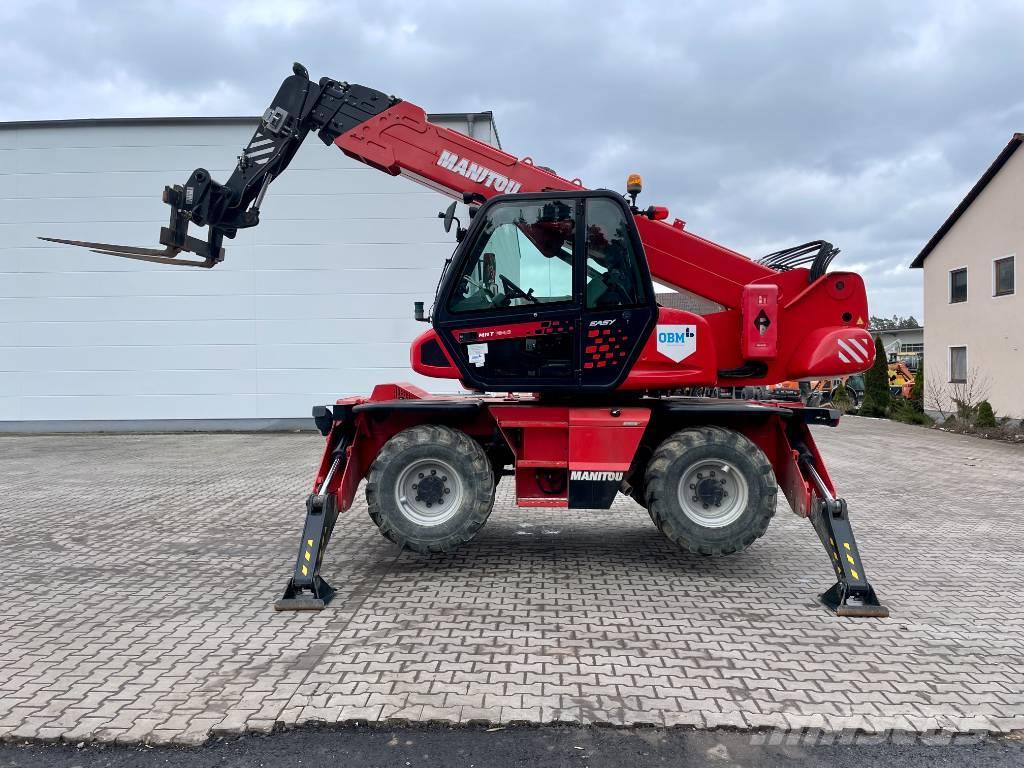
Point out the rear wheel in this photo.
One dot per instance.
(431, 488)
(710, 490)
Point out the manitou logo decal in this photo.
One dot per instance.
(677, 342)
(593, 476)
(477, 173)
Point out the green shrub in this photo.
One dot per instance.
(917, 391)
(913, 417)
(841, 399)
(984, 417)
(876, 385)
(904, 411)
(965, 412)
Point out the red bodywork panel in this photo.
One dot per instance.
(416, 352)
(655, 370)
(809, 324)
(402, 142)
(759, 335)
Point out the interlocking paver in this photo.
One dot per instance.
(139, 572)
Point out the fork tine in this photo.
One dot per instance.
(156, 259)
(117, 250)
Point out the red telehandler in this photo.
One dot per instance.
(548, 301)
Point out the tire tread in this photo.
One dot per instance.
(659, 485)
(479, 485)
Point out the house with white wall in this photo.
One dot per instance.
(973, 307)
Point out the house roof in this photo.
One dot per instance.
(986, 177)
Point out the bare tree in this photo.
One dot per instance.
(956, 398)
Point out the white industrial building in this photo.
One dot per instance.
(314, 303)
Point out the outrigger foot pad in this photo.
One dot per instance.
(309, 598)
(838, 600)
(306, 590)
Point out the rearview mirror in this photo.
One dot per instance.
(448, 216)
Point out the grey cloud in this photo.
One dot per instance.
(760, 126)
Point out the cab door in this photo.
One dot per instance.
(619, 309)
(509, 312)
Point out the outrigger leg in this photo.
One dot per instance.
(307, 590)
(851, 595)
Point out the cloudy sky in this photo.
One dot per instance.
(761, 124)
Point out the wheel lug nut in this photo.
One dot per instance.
(447, 490)
(693, 486)
(421, 475)
(694, 498)
(414, 486)
(433, 471)
(444, 479)
(712, 473)
(725, 493)
(417, 498)
(705, 506)
(700, 475)
(722, 481)
(428, 505)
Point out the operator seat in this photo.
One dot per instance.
(601, 293)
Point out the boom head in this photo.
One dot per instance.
(329, 107)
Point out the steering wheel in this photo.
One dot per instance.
(513, 291)
(490, 294)
(613, 282)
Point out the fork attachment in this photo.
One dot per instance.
(330, 108)
(174, 237)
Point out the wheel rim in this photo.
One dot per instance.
(713, 493)
(429, 492)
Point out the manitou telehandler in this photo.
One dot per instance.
(548, 301)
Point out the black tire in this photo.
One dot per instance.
(685, 453)
(639, 492)
(447, 449)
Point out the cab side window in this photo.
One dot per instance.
(523, 257)
(613, 275)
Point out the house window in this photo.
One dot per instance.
(958, 286)
(957, 365)
(1003, 277)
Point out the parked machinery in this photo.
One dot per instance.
(546, 313)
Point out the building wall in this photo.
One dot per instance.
(991, 327)
(314, 303)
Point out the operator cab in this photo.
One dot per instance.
(547, 291)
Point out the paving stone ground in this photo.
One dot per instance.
(139, 572)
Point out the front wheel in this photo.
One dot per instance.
(431, 488)
(710, 490)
